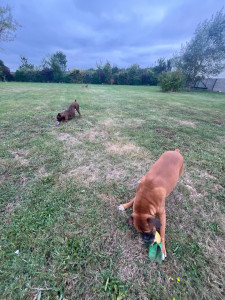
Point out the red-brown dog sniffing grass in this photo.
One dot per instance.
(69, 113)
(151, 194)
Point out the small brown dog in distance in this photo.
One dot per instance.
(69, 113)
(151, 194)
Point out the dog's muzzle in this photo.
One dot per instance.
(148, 237)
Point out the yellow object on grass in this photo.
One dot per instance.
(157, 238)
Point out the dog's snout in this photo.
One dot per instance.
(148, 237)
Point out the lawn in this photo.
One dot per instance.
(62, 236)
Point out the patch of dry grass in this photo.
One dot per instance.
(20, 156)
(188, 123)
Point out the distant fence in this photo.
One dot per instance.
(211, 84)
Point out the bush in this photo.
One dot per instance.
(5, 74)
(122, 78)
(148, 77)
(172, 81)
(76, 76)
(28, 75)
(47, 74)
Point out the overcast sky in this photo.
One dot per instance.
(124, 32)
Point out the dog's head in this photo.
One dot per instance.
(146, 225)
(60, 118)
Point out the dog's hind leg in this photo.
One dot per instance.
(126, 205)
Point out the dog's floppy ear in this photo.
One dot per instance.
(130, 220)
(59, 115)
(154, 222)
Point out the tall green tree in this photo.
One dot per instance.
(8, 25)
(115, 69)
(24, 63)
(122, 77)
(149, 77)
(107, 70)
(204, 54)
(56, 71)
(26, 71)
(57, 63)
(134, 77)
(5, 74)
(162, 65)
(99, 77)
(58, 58)
(88, 75)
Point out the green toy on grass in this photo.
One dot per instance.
(155, 249)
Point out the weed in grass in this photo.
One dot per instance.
(115, 289)
(215, 227)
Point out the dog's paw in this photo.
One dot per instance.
(163, 256)
(121, 208)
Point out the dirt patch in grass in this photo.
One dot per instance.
(206, 175)
(188, 123)
(133, 122)
(176, 122)
(91, 165)
(166, 132)
(2, 133)
(97, 172)
(189, 184)
(4, 177)
(107, 123)
(131, 250)
(40, 108)
(117, 121)
(20, 156)
(9, 209)
(42, 172)
(24, 180)
(94, 135)
(121, 149)
(68, 138)
(86, 173)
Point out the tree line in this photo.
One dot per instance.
(54, 69)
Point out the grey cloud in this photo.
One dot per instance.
(123, 32)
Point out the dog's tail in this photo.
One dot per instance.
(177, 150)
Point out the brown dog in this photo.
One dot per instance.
(69, 113)
(151, 194)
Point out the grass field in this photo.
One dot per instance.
(62, 236)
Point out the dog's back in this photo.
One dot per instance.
(71, 111)
(165, 171)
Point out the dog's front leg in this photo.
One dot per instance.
(162, 218)
(77, 109)
(126, 205)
